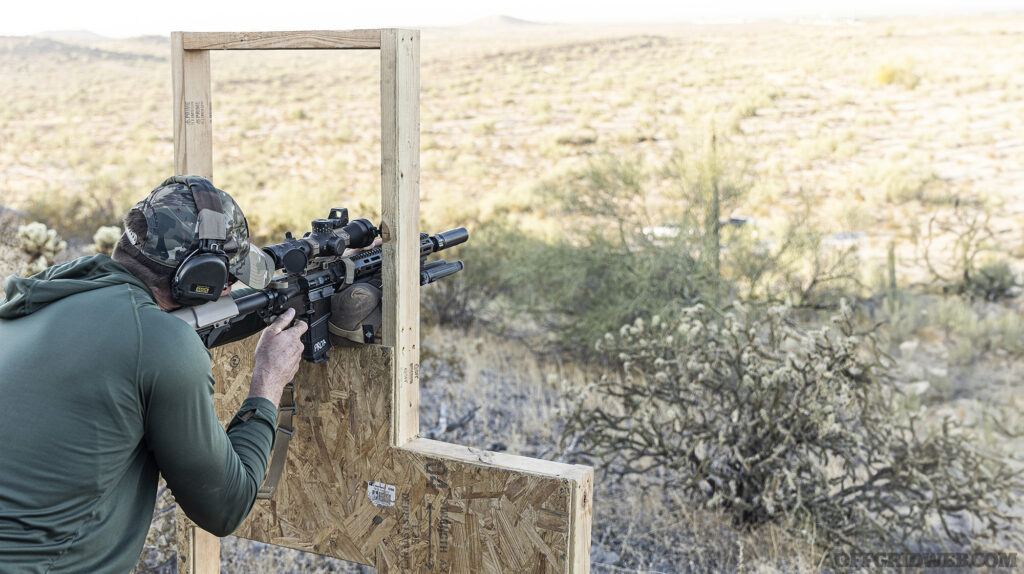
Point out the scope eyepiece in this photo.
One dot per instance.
(290, 255)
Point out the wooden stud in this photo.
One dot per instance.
(308, 40)
(400, 207)
(198, 550)
(193, 112)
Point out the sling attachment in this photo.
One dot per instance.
(283, 435)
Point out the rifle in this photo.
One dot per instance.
(315, 269)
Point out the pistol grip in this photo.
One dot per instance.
(316, 340)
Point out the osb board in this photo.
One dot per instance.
(454, 509)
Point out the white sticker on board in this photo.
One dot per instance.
(381, 494)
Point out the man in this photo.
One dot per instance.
(102, 390)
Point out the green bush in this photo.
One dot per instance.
(604, 269)
(641, 242)
(962, 252)
(493, 255)
(992, 281)
(776, 423)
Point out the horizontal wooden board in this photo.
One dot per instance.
(297, 40)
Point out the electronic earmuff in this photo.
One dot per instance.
(203, 274)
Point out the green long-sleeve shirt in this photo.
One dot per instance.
(100, 391)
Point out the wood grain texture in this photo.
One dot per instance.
(192, 110)
(455, 509)
(297, 40)
(400, 206)
(198, 550)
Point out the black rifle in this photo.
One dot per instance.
(315, 269)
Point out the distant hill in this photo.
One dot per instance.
(85, 37)
(28, 47)
(500, 21)
(153, 39)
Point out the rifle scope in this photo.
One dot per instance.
(329, 237)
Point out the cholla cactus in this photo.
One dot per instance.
(105, 238)
(749, 412)
(41, 245)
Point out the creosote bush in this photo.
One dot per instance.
(776, 423)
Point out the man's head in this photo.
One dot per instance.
(167, 228)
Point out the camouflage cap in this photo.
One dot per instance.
(172, 232)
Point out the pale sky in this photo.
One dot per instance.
(121, 18)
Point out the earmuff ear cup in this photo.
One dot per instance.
(199, 279)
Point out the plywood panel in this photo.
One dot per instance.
(452, 508)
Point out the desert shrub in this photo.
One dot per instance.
(642, 241)
(603, 269)
(492, 256)
(102, 199)
(961, 250)
(580, 291)
(573, 290)
(776, 423)
(903, 181)
(992, 281)
(798, 269)
(902, 74)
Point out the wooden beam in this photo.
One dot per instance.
(400, 206)
(198, 550)
(193, 112)
(297, 40)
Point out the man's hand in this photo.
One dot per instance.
(278, 354)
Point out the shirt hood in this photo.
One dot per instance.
(26, 295)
